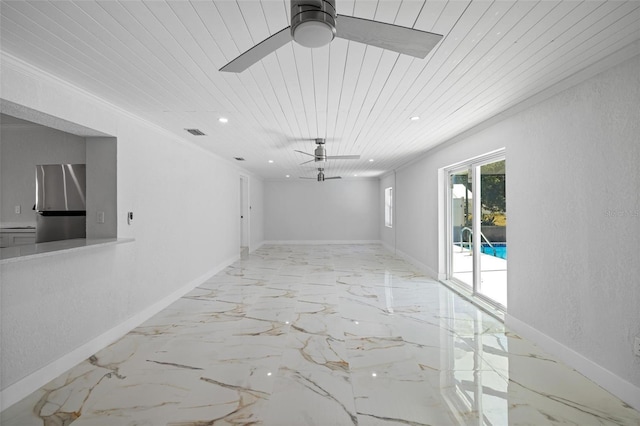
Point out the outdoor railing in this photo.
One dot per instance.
(466, 228)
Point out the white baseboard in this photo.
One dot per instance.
(44, 375)
(256, 247)
(422, 266)
(319, 242)
(618, 386)
(389, 247)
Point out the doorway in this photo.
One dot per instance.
(476, 227)
(244, 215)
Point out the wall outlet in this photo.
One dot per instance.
(100, 217)
(636, 346)
(16, 209)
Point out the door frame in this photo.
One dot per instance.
(245, 212)
(445, 274)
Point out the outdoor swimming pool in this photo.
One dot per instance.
(500, 250)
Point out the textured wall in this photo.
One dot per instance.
(186, 224)
(102, 187)
(574, 214)
(330, 210)
(576, 160)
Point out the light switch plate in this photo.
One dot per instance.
(16, 209)
(100, 217)
(636, 346)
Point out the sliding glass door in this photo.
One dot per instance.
(461, 202)
(477, 223)
(493, 232)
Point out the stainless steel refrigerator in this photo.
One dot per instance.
(61, 211)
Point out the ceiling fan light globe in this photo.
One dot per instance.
(313, 34)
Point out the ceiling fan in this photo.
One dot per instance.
(314, 23)
(320, 153)
(321, 177)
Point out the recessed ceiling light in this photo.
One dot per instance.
(355, 174)
(371, 160)
(270, 161)
(223, 120)
(288, 177)
(415, 118)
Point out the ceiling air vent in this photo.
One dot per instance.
(239, 158)
(195, 132)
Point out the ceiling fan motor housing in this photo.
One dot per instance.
(320, 176)
(320, 153)
(313, 22)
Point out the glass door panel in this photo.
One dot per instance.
(461, 254)
(477, 225)
(493, 226)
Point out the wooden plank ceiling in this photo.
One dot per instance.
(160, 61)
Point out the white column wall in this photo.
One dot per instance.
(185, 227)
(335, 210)
(101, 189)
(573, 220)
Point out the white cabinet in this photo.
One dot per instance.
(17, 237)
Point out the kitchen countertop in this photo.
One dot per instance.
(17, 227)
(33, 251)
(24, 230)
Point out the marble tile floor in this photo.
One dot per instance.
(493, 277)
(321, 335)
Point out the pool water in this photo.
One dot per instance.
(500, 250)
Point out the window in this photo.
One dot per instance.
(388, 207)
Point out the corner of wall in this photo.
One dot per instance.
(415, 262)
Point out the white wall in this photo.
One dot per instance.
(335, 210)
(574, 220)
(102, 186)
(23, 145)
(186, 227)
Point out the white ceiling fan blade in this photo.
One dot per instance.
(305, 153)
(333, 177)
(301, 177)
(259, 51)
(387, 36)
(343, 157)
(310, 161)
